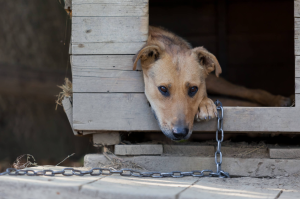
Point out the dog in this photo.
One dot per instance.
(177, 78)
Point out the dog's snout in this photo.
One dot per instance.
(180, 132)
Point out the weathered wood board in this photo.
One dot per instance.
(297, 85)
(131, 112)
(189, 150)
(296, 8)
(106, 73)
(139, 149)
(107, 48)
(109, 29)
(284, 153)
(297, 100)
(297, 36)
(94, 8)
(67, 105)
(297, 66)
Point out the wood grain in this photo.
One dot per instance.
(109, 8)
(66, 102)
(106, 73)
(106, 62)
(297, 8)
(89, 80)
(106, 48)
(297, 66)
(297, 100)
(297, 85)
(139, 149)
(297, 36)
(123, 2)
(284, 153)
(109, 29)
(131, 112)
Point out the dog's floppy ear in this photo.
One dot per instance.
(149, 53)
(207, 60)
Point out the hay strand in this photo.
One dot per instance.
(18, 164)
(67, 91)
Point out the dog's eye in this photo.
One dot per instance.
(192, 91)
(164, 90)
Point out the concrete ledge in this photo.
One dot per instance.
(116, 186)
(235, 166)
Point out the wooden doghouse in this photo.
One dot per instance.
(108, 96)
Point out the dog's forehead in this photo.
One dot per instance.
(181, 68)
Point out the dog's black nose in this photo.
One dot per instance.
(180, 132)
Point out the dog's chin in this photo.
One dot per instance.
(168, 132)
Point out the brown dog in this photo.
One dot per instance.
(175, 77)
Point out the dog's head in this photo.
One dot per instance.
(175, 85)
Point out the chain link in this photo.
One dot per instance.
(130, 172)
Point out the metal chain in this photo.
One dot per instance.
(130, 172)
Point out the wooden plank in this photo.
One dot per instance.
(284, 153)
(109, 29)
(297, 100)
(92, 8)
(189, 150)
(106, 62)
(297, 85)
(297, 66)
(107, 48)
(113, 72)
(297, 36)
(245, 152)
(122, 2)
(139, 149)
(67, 105)
(131, 112)
(297, 8)
(88, 80)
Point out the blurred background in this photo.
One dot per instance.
(34, 40)
(253, 40)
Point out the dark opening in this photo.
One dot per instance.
(253, 40)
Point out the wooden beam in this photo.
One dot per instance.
(92, 8)
(131, 112)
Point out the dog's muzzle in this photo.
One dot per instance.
(180, 132)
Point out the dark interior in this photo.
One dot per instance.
(253, 40)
